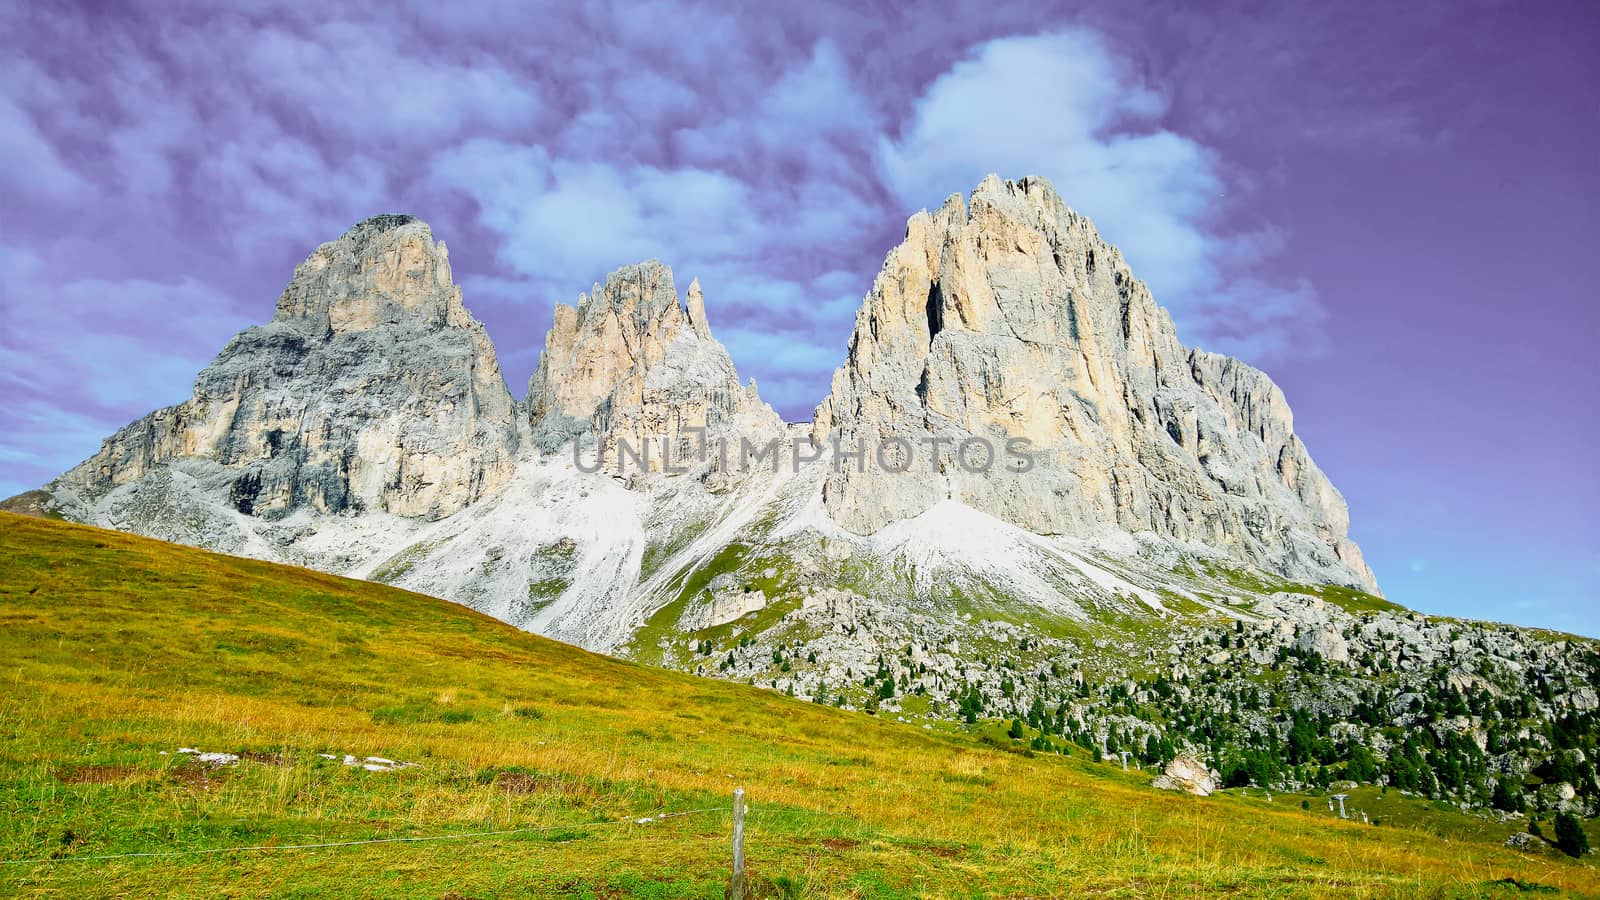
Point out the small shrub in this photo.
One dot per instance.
(417, 713)
(788, 888)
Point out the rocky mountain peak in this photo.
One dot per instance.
(386, 270)
(1007, 316)
(372, 405)
(372, 388)
(631, 361)
(616, 332)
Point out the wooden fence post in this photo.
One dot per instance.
(736, 891)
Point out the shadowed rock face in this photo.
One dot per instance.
(1008, 317)
(372, 388)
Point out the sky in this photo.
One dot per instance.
(1390, 208)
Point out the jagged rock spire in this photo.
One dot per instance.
(630, 361)
(697, 311)
(615, 333)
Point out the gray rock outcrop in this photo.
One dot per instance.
(372, 388)
(1008, 317)
(631, 363)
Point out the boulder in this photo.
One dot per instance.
(1187, 774)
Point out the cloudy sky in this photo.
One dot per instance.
(1391, 208)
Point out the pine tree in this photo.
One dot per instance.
(1570, 838)
(1505, 797)
(1362, 766)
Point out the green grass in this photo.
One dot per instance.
(750, 566)
(1253, 581)
(115, 651)
(396, 567)
(1393, 808)
(1349, 599)
(662, 625)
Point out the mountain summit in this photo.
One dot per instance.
(1008, 316)
(371, 390)
(633, 364)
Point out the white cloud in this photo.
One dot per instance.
(813, 115)
(771, 181)
(358, 80)
(800, 143)
(279, 190)
(73, 340)
(1255, 319)
(569, 223)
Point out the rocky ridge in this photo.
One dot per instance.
(1007, 316)
(1279, 689)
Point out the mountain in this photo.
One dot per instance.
(1023, 499)
(372, 389)
(121, 651)
(631, 364)
(1009, 317)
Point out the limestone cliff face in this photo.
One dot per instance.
(632, 363)
(1007, 317)
(372, 388)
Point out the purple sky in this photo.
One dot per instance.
(1391, 208)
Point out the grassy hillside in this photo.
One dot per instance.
(117, 651)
